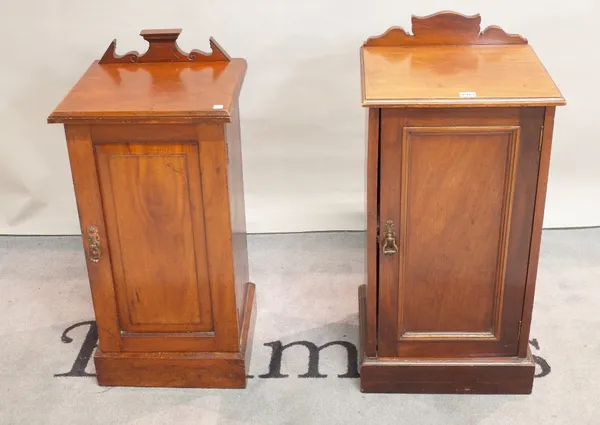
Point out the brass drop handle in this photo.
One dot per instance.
(94, 250)
(389, 239)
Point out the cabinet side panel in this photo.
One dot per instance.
(372, 208)
(235, 181)
(538, 219)
(89, 207)
(217, 213)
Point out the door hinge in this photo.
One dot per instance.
(519, 329)
(541, 138)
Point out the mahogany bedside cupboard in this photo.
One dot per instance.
(154, 146)
(459, 132)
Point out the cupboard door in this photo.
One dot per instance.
(158, 209)
(456, 210)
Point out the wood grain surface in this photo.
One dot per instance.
(435, 76)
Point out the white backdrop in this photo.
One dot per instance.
(302, 126)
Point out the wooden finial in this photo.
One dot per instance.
(445, 28)
(163, 48)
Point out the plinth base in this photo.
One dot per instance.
(191, 370)
(476, 375)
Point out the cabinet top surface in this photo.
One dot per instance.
(154, 90)
(163, 84)
(456, 76)
(449, 61)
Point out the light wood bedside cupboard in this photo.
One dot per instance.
(154, 146)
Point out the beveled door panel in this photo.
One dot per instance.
(458, 190)
(450, 191)
(158, 245)
(161, 213)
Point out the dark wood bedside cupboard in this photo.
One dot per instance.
(459, 133)
(154, 146)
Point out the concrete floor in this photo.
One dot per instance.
(307, 286)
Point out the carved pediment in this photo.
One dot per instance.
(163, 48)
(445, 28)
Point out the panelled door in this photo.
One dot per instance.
(156, 284)
(457, 192)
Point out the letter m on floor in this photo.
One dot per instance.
(313, 359)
